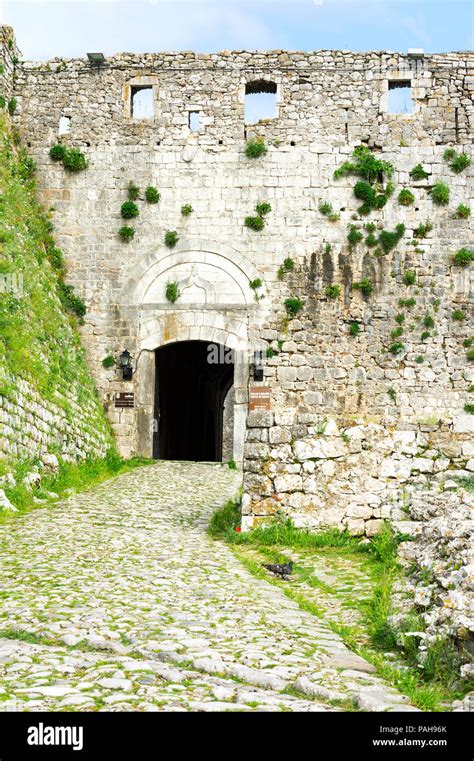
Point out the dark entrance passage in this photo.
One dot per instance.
(192, 381)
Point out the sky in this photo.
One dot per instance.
(72, 28)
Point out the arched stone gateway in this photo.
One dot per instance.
(209, 321)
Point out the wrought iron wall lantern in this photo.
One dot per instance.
(257, 367)
(125, 362)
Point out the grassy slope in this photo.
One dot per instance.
(39, 341)
(432, 687)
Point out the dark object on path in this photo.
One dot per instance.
(280, 569)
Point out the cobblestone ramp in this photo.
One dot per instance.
(117, 599)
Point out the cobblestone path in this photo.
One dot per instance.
(117, 599)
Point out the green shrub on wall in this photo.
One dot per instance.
(255, 148)
(172, 291)
(293, 306)
(254, 223)
(171, 238)
(287, 266)
(364, 286)
(373, 173)
(152, 195)
(126, 233)
(406, 198)
(71, 158)
(129, 210)
(463, 257)
(133, 191)
(418, 173)
(463, 211)
(440, 194)
(458, 162)
(333, 291)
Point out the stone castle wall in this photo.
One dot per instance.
(350, 424)
(9, 54)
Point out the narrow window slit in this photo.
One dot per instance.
(64, 125)
(194, 121)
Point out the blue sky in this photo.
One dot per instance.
(48, 29)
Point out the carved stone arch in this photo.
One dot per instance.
(208, 275)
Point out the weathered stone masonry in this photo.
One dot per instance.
(351, 427)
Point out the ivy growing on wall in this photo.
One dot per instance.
(372, 189)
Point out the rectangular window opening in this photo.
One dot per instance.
(260, 101)
(400, 99)
(64, 125)
(141, 106)
(194, 121)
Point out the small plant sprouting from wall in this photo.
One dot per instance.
(71, 301)
(263, 208)
(458, 315)
(423, 229)
(409, 277)
(287, 266)
(396, 332)
(396, 348)
(333, 291)
(388, 240)
(354, 236)
(371, 240)
(407, 303)
(392, 394)
(152, 195)
(469, 408)
(129, 210)
(171, 238)
(440, 194)
(172, 291)
(255, 285)
(293, 306)
(457, 162)
(74, 160)
(428, 321)
(470, 355)
(372, 171)
(463, 211)
(255, 148)
(354, 329)
(418, 173)
(365, 286)
(186, 210)
(327, 210)
(71, 158)
(133, 191)
(11, 106)
(258, 223)
(463, 257)
(126, 233)
(57, 152)
(406, 198)
(109, 361)
(254, 223)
